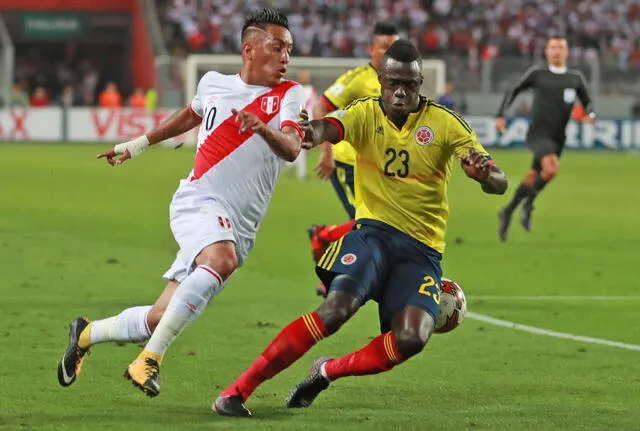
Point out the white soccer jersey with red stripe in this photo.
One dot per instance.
(239, 170)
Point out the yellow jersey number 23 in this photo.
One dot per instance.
(397, 163)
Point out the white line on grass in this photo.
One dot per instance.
(540, 331)
(556, 298)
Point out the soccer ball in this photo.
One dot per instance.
(453, 306)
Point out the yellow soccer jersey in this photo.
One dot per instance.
(401, 176)
(353, 84)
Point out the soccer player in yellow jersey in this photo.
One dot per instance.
(336, 161)
(406, 145)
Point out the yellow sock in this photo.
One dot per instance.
(84, 341)
(147, 354)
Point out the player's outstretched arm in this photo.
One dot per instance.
(178, 123)
(285, 143)
(318, 131)
(585, 99)
(526, 81)
(488, 174)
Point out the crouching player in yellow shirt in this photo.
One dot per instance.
(406, 145)
(336, 160)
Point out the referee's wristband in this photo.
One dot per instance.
(135, 146)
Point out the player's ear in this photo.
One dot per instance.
(247, 50)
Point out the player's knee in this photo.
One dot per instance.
(550, 167)
(154, 316)
(333, 319)
(220, 256)
(549, 172)
(530, 178)
(410, 341)
(157, 311)
(337, 309)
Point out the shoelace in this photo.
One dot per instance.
(151, 367)
(80, 353)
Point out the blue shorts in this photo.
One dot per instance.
(392, 268)
(343, 183)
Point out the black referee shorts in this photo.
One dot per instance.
(542, 146)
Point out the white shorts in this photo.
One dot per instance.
(196, 224)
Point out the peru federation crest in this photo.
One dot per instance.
(270, 104)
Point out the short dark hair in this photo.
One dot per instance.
(555, 35)
(384, 29)
(404, 51)
(262, 18)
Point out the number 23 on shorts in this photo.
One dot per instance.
(424, 288)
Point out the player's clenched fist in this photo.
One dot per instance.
(476, 165)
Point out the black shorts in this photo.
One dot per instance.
(542, 146)
(343, 183)
(393, 268)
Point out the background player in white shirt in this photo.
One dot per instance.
(310, 94)
(248, 129)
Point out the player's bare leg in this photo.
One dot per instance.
(289, 345)
(549, 168)
(132, 325)
(411, 329)
(215, 263)
(505, 213)
(160, 306)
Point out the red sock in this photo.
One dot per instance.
(335, 232)
(380, 355)
(289, 345)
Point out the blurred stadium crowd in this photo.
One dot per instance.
(67, 77)
(463, 32)
(485, 28)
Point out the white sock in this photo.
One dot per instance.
(323, 371)
(130, 326)
(189, 300)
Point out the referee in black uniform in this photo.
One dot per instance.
(554, 92)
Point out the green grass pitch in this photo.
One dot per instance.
(78, 237)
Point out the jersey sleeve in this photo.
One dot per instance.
(526, 81)
(196, 105)
(462, 137)
(353, 122)
(292, 103)
(583, 94)
(196, 102)
(341, 93)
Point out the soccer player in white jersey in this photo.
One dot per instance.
(248, 130)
